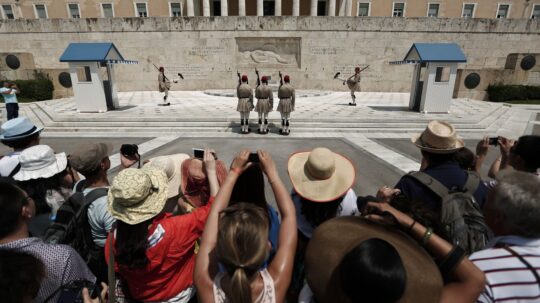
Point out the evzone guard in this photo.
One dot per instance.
(265, 102)
(164, 84)
(353, 82)
(245, 102)
(286, 97)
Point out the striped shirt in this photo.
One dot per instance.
(508, 279)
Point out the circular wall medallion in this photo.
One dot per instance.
(528, 62)
(65, 79)
(13, 62)
(472, 80)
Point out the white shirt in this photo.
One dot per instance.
(508, 279)
(347, 208)
(8, 163)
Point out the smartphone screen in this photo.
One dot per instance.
(198, 153)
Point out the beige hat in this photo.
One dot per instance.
(172, 166)
(137, 195)
(87, 156)
(439, 138)
(333, 239)
(320, 175)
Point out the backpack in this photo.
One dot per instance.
(460, 215)
(71, 225)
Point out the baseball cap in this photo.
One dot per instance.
(87, 156)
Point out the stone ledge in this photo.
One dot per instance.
(283, 23)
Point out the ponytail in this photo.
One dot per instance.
(240, 289)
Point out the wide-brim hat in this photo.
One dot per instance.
(18, 128)
(332, 240)
(137, 195)
(439, 137)
(195, 200)
(320, 175)
(38, 162)
(172, 166)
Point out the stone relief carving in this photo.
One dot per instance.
(269, 52)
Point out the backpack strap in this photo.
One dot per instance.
(473, 181)
(95, 194)
(79, 187)
(15, 170)
(435, 186)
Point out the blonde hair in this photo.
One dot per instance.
(242, 247)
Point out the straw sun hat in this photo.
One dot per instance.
(137, 195)
(439, 138)
(320, 175)
(337, 237)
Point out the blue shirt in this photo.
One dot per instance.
(449, 174)
(9, 98)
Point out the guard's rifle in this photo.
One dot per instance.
(258, 78)
(280, 79)
(239, 77)
(164, 77)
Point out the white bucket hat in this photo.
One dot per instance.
(40, 161)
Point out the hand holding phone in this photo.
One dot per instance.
(253, 157)
(494, 141)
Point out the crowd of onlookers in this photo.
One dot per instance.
(183, 228)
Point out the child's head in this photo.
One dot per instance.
(242, 246)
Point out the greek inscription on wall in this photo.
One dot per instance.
(323, 50)
(204, 51)
(190, 71)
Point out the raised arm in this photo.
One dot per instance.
(281, 267)
(482, 149)
(210, 168)
(468, 280)
(202, 277)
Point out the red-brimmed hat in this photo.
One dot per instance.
(264, 79)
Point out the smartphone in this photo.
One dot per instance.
(198, 153)
(494, 141)
(253, 157)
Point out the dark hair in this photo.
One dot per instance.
(373, 272)
(249, 188)
(131, 244)
(528, 148)
(465, 158)
(37, 190)
(21, 143)
(317, 212)
(12, 199)
(20, 276)
(434, 159)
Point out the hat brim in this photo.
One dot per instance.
(333, 239)
(176, 179)
(58, 166)
(150, 207)
(416, 141)
(316, 190)
(11, 138)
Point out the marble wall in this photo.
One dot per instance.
(209, 50)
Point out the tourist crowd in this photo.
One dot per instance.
(180, 228)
